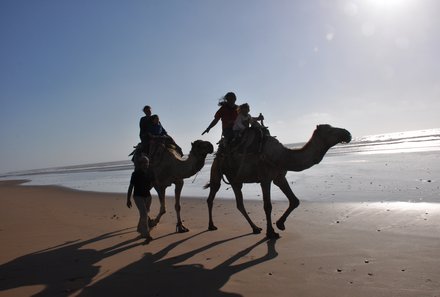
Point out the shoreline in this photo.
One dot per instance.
(393, 198)
(72, 243)
(403, 177)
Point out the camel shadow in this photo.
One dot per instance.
(155, 275)
(63, 269)
(69, 269)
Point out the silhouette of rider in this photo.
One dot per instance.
(158, 134)
(144, 123)
(227, 113)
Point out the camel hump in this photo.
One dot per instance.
(251, 140)
(174, 150)
(157, 151)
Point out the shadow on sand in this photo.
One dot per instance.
(70, 268)
(62, 269)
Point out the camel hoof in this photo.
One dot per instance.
(256, 230)
(148, 239)
(280, 226)
(272, 235)
(152, 223)
(212, 228)
(181, 229)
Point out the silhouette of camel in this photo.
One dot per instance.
(69, 269)
(168, 168)
(155, 275)
(270, 164)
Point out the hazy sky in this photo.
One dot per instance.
(74, 75)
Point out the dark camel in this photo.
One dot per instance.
(269, 165)
(169, 168)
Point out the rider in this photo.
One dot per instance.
(157, 132)
(144, 123)
(244, 120)
(227, 113)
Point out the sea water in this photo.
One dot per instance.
(370, 168)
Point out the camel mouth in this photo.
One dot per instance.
(203, 147)
(346, 138)
(210, 148)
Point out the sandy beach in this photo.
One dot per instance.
(61, 242)
(334, 104)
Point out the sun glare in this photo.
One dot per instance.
(388, 4)
(385, 10)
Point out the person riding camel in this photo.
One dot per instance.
(144, 123)
(227, 113)
(158, 134)
(245, 120)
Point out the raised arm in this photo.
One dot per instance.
(212, 124)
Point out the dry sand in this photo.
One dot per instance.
(59, 242)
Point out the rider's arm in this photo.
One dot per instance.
(212, 124)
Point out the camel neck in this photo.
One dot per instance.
(192, 165)
(307, 156)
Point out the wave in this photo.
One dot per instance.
(397, 142)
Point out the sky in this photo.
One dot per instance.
(75, 75)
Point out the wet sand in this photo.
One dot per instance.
(60, 242)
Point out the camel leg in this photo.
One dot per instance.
(214, 186)
(178, 190)
(161, 194)
(240, 205)
(283, 184)
(213, 189)
(270, 232)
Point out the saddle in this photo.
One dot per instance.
(154, 151)
(251, 140)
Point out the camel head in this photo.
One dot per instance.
(332, 135)
(202, 148)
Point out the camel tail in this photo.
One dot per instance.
(225, 181)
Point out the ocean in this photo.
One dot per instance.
(370, 168)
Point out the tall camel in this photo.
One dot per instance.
(270, 163)
(169, 168)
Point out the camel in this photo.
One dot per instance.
(270, 164)
(169, 168)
